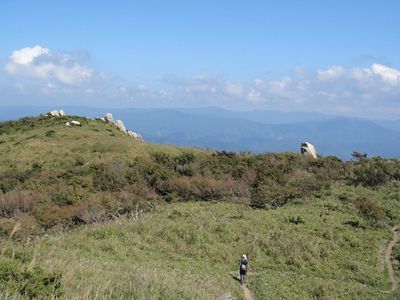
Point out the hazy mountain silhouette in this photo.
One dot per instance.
(255, 131)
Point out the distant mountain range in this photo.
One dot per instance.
(254, 131)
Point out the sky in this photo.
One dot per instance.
(336, 57)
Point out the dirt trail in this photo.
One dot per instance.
(388, 258)
(247, 293)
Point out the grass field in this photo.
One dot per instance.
(189, 251)
(88, 213)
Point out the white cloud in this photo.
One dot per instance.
(254, 96)
(39, 72)
(43, 64)
(361, 74)
(333, 90)
(387, 74)
(331, 73)
(279, 86)
(27, 55)
(197, 85)
(258, 82)
(357, 91)
(234, 89)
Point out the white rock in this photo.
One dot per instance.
(308, 149)
(73, 123)
(120, 125)
(134, 135)
(108, 118)
(57, 113)
(76, 123)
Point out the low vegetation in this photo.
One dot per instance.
(130, 219)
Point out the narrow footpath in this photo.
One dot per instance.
(388, 258)
(247, 293)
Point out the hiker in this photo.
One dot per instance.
(243, 266)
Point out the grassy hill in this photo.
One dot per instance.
(256, 131)
(87, 212)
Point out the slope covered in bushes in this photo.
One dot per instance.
(57, 176)
(134, 219)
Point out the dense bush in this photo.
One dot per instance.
(368, 209)
(203, 188)
(264, 181)
(374, 172)
(18, 201)
(80, 193)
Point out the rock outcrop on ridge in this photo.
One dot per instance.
(57, 113)
(308, 149)
(108, 118)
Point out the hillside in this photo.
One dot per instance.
(88, 212)
(254, 131)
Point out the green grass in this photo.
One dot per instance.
(22, 144)
(89, 213)
(190, 251)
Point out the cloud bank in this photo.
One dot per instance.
(41, 63)
(43, 75)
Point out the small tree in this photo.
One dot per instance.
(359, 155)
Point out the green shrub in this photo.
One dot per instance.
(66, 198)
(18, 201)
(368, 209)
(270, 194)
(50, 133)
(296, 220)
(374, 172)
(50, 216)
(109, 177)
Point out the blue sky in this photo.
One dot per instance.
(330, 56)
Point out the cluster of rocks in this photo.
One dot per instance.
(308, 149)
(108, 118)
(57, 113)
(60, 113)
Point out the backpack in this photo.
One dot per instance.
(243, 265)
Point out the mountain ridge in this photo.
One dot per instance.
(220, 129)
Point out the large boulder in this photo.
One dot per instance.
(120, 125)
(73, 123)
(109, 118)
(57, 113)
(308, 149)
(54, 113)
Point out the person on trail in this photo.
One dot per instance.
(243, 267)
